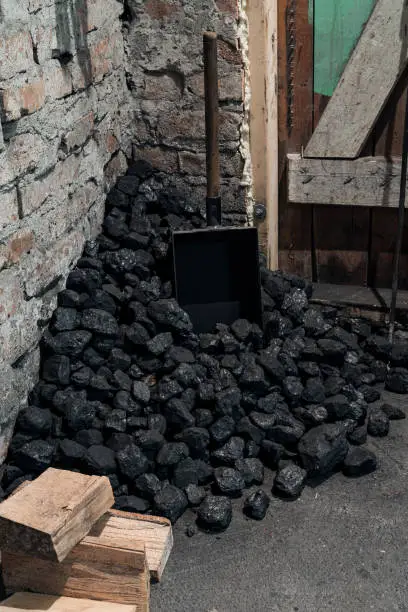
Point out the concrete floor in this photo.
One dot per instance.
(342, 547)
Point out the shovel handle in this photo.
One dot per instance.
(212, 127)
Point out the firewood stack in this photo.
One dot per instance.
(63, 547)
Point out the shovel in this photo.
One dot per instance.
(216, 269)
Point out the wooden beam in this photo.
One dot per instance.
(48, 517)
(21, 602)
(263, 58)
(376, 63)
(368, 181)
(154, 531)
(92, 570)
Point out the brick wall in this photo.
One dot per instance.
(85, 85)
(62, 142)
(165, 75)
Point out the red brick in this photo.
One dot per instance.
(227, 6)
(58, 80)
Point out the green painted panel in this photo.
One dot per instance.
(337, 28)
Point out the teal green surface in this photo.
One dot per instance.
(337, 28)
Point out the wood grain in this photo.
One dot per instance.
(91, 571)
(155, 532)
(388, 143)
(295, 117)
(376, 63)
(366, 181)
(21, 602)
(53, 513)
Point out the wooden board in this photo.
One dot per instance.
(91, 571)
(155, 532)
(39, 603)
(367, 181)
(128, 527)
(53, 513)
(295, 118)
(375, 65)
(388, 143)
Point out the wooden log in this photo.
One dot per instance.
(92, 570)
(376, 63)
(367, 181)
(21, 602)
(155, 532)
(53, 513)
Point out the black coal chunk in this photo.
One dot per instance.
(35, 421)
(172, 453)
(160, 343)
(229, 481)
(71, 343)
(169, 313)
(197, 440)
(293, 388)
(230, 452)
(394, 413)
(70, 453)
(359, 462)
(56, 369)
(222, 429)
(378, 424)
(132, 462)
(314, 391)
(215, 513)
(290, 481)
(397, 380)
(323, 448)
(195, 494)
(131, 503)
(358, 436)
(100, 322)
(178, 414)
(35, 456)
(84, 280)
(185, 473)
(170, 502)
(65, 319)
(100, 460)
(251, 470)
(256, 505)
(148, 485)
(89, 437)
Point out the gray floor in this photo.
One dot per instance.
(342, 547)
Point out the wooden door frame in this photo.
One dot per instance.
(262, 18)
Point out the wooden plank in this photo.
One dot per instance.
(262, 29)
(91, 571)
(362, 297)
(155, 532)
(21, 602)
(388, 143)
(375, 65)
(341, 244)
(295, 118)
(131, 528)
(53, 513)
(367, 181)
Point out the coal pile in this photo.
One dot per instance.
(178, 420)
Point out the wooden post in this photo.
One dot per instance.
(263, 57)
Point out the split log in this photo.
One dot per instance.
(21, 602)
(92, 570)
(156, 533)
(48, 517)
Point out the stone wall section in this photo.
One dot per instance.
(63, 142)
(165, 76)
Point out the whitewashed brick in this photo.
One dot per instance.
(8, 207)
(16, 51)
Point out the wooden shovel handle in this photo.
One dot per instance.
(211, 113)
